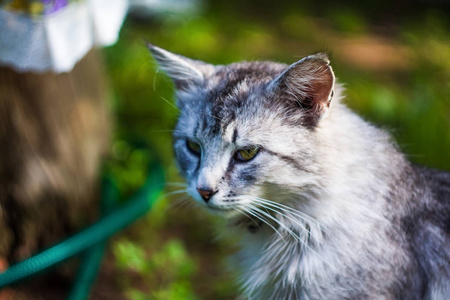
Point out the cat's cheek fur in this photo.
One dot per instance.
(187, 162)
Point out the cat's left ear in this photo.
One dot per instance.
(308, 85)
(182, 70)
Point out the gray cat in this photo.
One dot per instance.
(325, 205)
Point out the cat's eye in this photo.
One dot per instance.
(193, 147)
(247, 154)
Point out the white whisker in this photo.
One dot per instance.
(287, 211)
(168, 102)
(180, 203)
(175, 193)
(244, 212)
(254, 208)
(255, 214)
(298, 238)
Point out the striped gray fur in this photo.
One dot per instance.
(329, 208)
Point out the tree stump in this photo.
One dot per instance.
(54, 130)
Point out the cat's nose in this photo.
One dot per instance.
(206, 193)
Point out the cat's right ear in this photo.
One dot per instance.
(307, 85)
(182, 70)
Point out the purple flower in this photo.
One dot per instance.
(52, 6)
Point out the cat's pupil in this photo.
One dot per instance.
(193, 147)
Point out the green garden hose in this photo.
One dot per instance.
(135, 207)
(92, 258)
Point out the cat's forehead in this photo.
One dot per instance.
(226, 78)
(229, 101)
(231, 88)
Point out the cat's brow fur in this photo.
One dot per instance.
(350, 217)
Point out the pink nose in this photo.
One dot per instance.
(206, 193)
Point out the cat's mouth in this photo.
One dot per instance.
(219, 208)
(224, 211)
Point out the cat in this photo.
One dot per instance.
(324, 203)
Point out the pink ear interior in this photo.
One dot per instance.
(309, 83)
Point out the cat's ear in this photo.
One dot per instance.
(182, 70)
(307, 84)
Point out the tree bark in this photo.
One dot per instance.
(54, 130)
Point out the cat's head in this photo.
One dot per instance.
(247, 130)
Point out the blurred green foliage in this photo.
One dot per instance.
(170, 267)
(403, 85)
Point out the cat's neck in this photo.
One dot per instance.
(360, 162)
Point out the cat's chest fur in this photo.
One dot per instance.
(332, 264)
(286, 268)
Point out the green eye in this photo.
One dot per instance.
(247, 154)
(194, 147)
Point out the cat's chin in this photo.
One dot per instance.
(225, 212)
